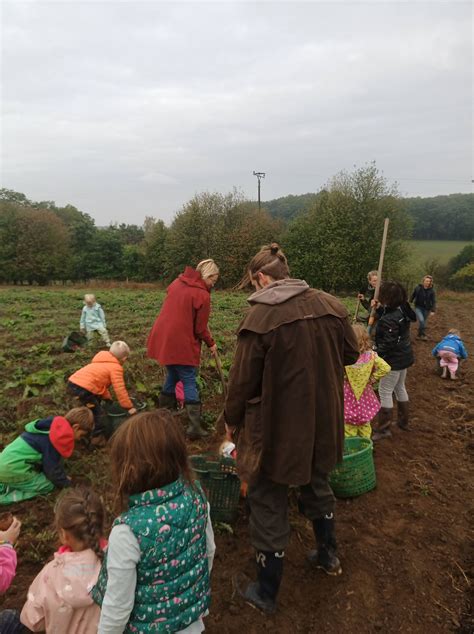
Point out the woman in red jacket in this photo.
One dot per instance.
(176, 336)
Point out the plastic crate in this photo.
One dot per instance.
(355, 475)
(219, 479)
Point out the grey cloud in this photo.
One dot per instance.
(128, 108)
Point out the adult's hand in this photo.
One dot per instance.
(11, 534)
(213, 349)
(433, 312)
(360, 296)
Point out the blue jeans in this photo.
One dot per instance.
(187, 375)
(422, 315)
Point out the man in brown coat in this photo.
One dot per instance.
(285, 408)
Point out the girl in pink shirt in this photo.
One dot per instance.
(58, 599)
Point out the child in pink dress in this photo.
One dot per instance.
(360, 401)
(59, 599)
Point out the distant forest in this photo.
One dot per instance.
(437, 218)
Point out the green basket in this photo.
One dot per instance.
(74, 341)
(115, 415)
(355, 475)
(218, 477)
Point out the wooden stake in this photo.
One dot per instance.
(379, 270)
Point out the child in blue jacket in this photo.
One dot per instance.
(450, 350)
(93, 319)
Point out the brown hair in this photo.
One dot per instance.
(80, 512)
(81, 416)
(363, 338)
(392, 294)
(148, 451)
(270, 260)
(454, 331)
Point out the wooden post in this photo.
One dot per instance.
(379, 272)
(356, 314)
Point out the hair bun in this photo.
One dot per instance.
(274, 248)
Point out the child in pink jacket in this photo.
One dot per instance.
(8, 537)
(58, 599)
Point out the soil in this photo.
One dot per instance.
(406, 547)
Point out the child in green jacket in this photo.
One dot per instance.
(31, 465)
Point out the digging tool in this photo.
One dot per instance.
(356, 314)
(379, 276)
(221, 373)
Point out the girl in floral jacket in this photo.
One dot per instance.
(360, 401)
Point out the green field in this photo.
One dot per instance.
(440, 250)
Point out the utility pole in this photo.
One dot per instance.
(259, 176)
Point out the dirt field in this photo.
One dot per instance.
(406, 548)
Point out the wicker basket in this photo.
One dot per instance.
(355, 475)
(218, 477)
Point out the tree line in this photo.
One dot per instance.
(332, 243)
(436, 218)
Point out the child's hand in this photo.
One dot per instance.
(11, 534)
(132, 411)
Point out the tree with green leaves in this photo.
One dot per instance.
(338, 240)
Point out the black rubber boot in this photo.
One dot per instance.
(324, 557)
(262, 593)
(194, 430)
(167, 401)
(384, 421)
(403, 415)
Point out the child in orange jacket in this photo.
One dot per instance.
(91, 383)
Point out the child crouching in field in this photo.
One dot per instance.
(360, 402)
(450, 350)
(91, 383)
(59, 599)
(31, 465)
(155, 576)
(93, 320)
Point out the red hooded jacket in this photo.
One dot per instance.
(176, 336)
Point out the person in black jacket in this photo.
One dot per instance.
(424, 297)
(392, 342)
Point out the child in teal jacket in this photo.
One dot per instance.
(93, 319)
(31, 465)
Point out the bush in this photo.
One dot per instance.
(463, 280)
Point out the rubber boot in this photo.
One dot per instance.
(167, 401)
(384, 422)
(194, 430)
(325, 557)
(444, 373)
(262, 593)
(403, 415)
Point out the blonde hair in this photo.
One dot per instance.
(89, 297)
(119, 349)
(454, 331)
(371, 274)
(81, 416)
(363, 339)
(207, 268)
(428, 277)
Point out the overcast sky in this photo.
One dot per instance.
(126, 109)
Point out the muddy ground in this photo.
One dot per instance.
(406, 547)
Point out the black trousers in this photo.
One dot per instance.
(268, 501)
(92, 402)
